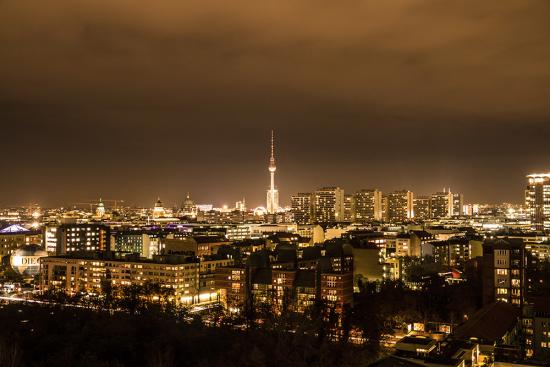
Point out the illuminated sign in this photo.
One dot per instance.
(26, 265)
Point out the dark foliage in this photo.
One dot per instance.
(40, 335)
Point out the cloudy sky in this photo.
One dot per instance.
(138, 99)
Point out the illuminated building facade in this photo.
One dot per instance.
(348, 208)
(422, 207)
(87, 272)
(189, 208)
(400, 206)
(82, 237)
(458, 205)
(368, 205)
(272, 193)
(442, 205)
(504, 262)
(537, 200)
(145, 243)
(158, 210)
(15, 236)
(302, 207)
(286, 279)
(328, 204)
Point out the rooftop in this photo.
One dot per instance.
(490, 323)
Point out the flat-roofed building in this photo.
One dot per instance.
(86, 272)
(400, 206)
(302, 207)
(329, 205)
(504, 262)
(15, 236)
(537, 200)
(442, 205)
(146, 243)
(367, 205)
(422, 207)
(82, 237)
(198, 245)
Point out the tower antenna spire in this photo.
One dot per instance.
(272, 145)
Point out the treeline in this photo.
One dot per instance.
(53, 335)
(143, 326)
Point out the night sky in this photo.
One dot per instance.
(138, 99)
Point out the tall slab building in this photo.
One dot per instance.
(537, 200)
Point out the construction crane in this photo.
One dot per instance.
(114, 201)
(92, 204)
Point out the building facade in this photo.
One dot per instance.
(329, 204)
(15, 236)
(367, 205)
(400, 206)
(87, 272)
(537, 200)
(422, 207)
(504, 262)
(302, 207)
(442, 205)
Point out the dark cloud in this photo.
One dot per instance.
(138, 99)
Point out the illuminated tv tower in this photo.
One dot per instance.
(272, 193)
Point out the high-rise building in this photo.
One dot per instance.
(422, 206)
(458, 205)
(348, 208)
(537, 200)
(302, 207)
(442, 204)
(329, 204)
(504, 262)
(272, 193)
(368, 205)
(400, 205)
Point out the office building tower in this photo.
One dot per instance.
(400, 206)
(537, 200)
(368, 205)
(328, 204)
(302, 207)
(272, 193)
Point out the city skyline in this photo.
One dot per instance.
(174, 199)
(275, 183)
(160, 99)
